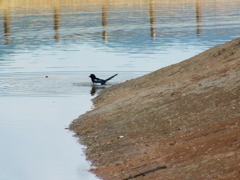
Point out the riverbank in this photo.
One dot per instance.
(179, 122)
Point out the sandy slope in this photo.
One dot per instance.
(179, 122)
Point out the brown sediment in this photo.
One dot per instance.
(179, 122)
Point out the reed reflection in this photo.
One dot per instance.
(6, 24)
(199, 17)
(56, 23)
(105, 21)
(152, 18)
(104, 7)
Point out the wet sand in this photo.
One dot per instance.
(179, 122)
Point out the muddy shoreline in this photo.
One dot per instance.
(179, 122)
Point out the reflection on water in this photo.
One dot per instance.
(163, 18)
(66, 41)
(56, 23)
(96, 88)
(6, 25)
(105, 21)
(199, 17)
(152, 18)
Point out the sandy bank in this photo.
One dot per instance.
(179, 122)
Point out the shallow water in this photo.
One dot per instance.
(48, 50)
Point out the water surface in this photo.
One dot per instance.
(48, 50)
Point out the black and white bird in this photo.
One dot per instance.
(101, 81)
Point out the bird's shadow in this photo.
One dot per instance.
(96, 88)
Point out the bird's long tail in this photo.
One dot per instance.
(110, 77)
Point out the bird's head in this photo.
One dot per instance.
(92, 76)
